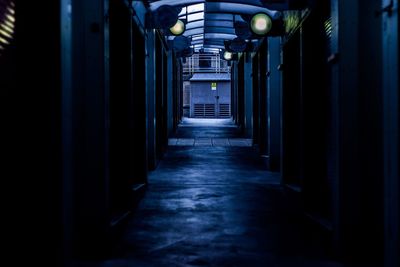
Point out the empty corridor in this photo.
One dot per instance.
(216, 205)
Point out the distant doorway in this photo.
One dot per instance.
(210, 95)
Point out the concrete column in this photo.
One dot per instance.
(354, 147)
(391, 133)
(67, 127)
(151, 99)
(248, 96)
(234, 79)
(85, 110)
(274, 102)
(344, 114)
(170, 84)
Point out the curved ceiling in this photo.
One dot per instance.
(209, 23)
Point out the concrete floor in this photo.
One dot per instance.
(216, 206)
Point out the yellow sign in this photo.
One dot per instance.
(213, 86)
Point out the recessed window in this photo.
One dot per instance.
(195, 24)
(197, 37)
(183, 12)
(194, 31)
(212, 51)
(195, 16)
(195, 8)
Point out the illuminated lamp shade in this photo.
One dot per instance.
(178, 28)
(7, 24)
(228, 55)
(261, 24)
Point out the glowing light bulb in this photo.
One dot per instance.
(228, 55)
(178, 28)
(261, 24)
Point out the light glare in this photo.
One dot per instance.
(7, 26)
(261, 24)
(227, 55)
(178, 28)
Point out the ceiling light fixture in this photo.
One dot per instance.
(261, 24)
(228, 55)
(178, 28)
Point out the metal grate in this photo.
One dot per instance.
(199, 110)
(209, 111)
(224, 110)
(204, 110)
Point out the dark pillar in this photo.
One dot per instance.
(274, 103)
(248, 96)
(391, 133)
(355, 140)
(151, 99)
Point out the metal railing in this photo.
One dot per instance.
(205, 63)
